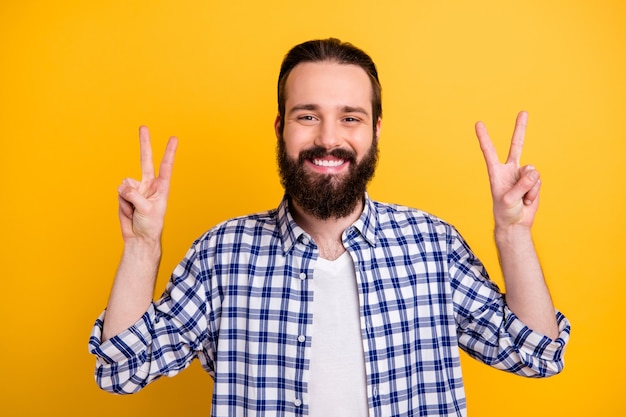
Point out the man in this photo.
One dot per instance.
(332, 304)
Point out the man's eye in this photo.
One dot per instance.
(306, 118)
(351, 119)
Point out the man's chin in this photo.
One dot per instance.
(329, 212)
(332, 199)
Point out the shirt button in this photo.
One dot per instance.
(301, 338)
(305, 240)
(302, 276)
(297, 402)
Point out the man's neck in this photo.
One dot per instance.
(326, 232)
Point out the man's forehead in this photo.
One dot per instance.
(329, 78)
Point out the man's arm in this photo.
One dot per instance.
(142, 207)
(515, 193)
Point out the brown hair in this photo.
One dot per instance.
(330, 50)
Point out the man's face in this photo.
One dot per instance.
(327, 149)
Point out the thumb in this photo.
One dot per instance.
(132, 197)
(526, 188)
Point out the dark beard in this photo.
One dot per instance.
(326, 196)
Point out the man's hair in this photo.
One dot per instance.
(329, 50)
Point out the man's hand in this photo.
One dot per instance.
(515, 193)
(514, 188)
(142, 203)
(142, 211)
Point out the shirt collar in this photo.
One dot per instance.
(291, 233)
(367, 223)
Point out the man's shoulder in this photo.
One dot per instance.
(405, 223)
(262, 222)
(399, 212)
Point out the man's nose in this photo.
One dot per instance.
(328, 135)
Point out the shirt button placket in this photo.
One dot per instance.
(304, 240)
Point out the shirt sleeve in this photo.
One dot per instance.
(163, 342)
(122, 362)
(489, 331)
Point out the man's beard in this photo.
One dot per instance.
(326, 196)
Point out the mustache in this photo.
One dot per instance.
(320, 152)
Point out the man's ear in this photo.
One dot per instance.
(379, 126)
(277, 126)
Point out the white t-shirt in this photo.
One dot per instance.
(338, 382)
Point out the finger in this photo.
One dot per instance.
(126, 216)
(131, 182)
(133, 197)
(126, 208)
(147, 167)
(523, 188)
(167, 163)
(533, 194)
(517, 141)
(486, 145)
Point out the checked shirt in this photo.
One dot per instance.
(241, 302)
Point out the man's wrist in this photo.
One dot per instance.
(512, 235)
(143, 249)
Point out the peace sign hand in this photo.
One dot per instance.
(142, 203)
(514, 188)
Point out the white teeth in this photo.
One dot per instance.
(326, 163)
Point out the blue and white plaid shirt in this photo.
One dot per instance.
(241, 302)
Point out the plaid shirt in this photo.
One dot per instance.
(241, 302)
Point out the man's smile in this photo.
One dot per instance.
(328, 162)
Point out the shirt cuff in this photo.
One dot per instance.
(535, 343)
(130, 343)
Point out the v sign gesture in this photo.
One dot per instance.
(142, 203)
(514, 188)
(141, 210)
(515, 193)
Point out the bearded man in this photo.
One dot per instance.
(333, 304)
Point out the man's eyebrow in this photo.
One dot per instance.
(300, 107)
(353, 109)
(311, 107)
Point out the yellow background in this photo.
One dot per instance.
(77, 78)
